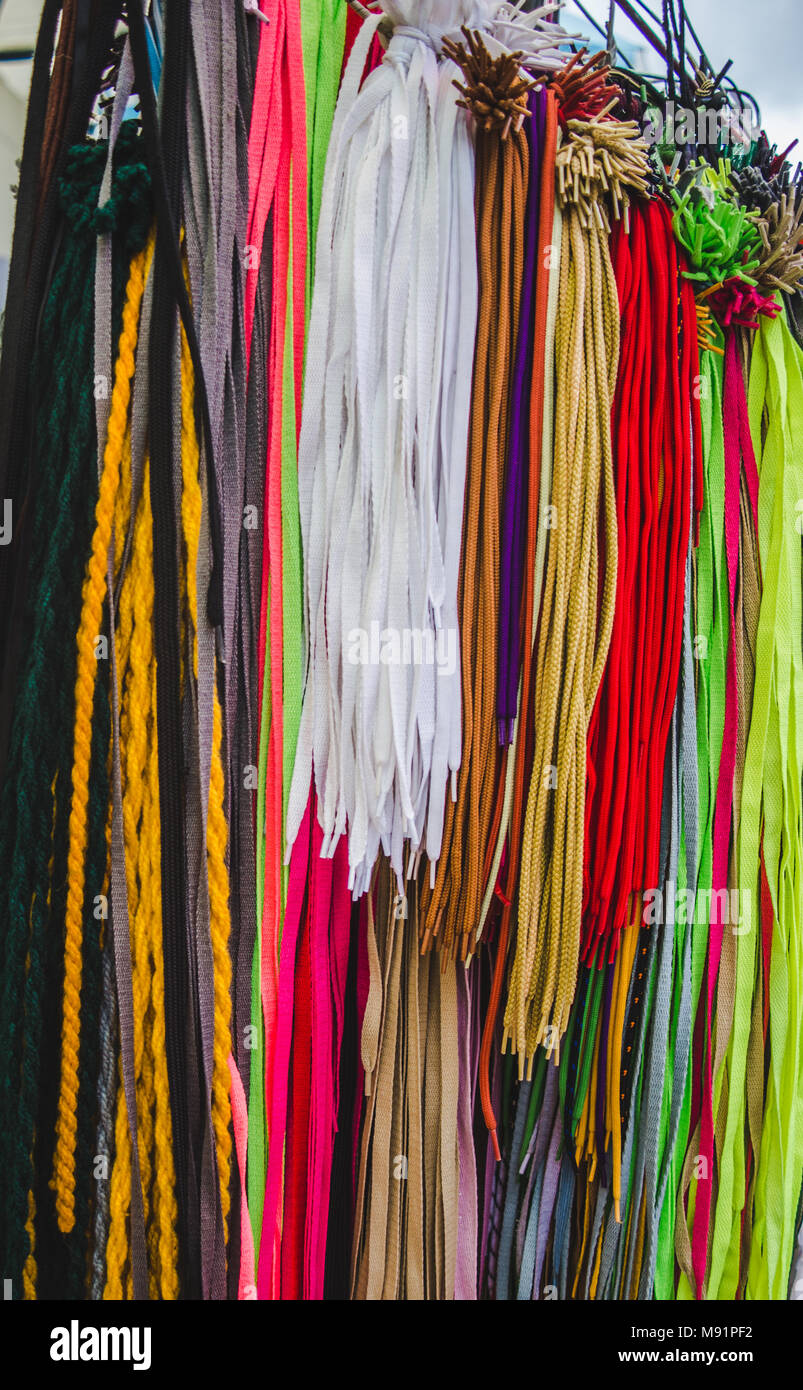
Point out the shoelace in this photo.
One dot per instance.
(736, 445)
(376, 779)
(771, 780)
(626, 761)
(277, 146)
(35, 230)
(540, 418)
(405, 1247)
(655, 1148)
(452, 906)
(540, 998)
(514, 507)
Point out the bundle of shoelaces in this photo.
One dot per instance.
(401, 846)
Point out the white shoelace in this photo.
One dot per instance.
(382, 454)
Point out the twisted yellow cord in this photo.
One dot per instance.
(117, 1239)
(220, 925)
(164, 1191)
(119, 1201)
(142, 830)
(119, 1197)
(29, 1268)
(136, 595)
(141, 833)
(94, 596)
(141, 825)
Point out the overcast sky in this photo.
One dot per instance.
(765, 40)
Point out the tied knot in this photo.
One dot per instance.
(409, 31)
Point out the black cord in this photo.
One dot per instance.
(704, 64)
(34, 243)
(679, 33)
(584, 12)
(23, 244)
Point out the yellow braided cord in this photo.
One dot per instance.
(94, 596)
(122, 522)
(575, 633)
(216, 834)
(141, 820)
(220, 925)
(122, 503)
(191, 502)
(547, 678)
(117, 1239)
(141, 833)
(137, 593)
(29, 1268)
(164, 1188)
(117, 1245)
(141, 828)
(119, 1201)
(152, 1227)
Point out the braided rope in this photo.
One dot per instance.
(86, 672)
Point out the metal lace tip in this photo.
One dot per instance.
(252, 7)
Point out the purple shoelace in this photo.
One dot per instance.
(515, 499)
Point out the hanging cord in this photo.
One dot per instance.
(736, 445)
(167, 222)
(211, 202)
(540, 444)
(73, 16)
(86, 675)
(515, 508)
(495, 93)
(770, 793)
(36, 239)
(139, 757)
(598, 158)
(277, 229)
(109, 1052)
(215, 212)
(141, 1091)
(60, 537)
(141, 798)
(216, 835)
(167, 154)
(651, 454)
(381, 732)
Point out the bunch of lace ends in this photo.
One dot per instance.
(600, 162)
(495, 90)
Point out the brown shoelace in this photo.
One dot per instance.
(495, 93)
